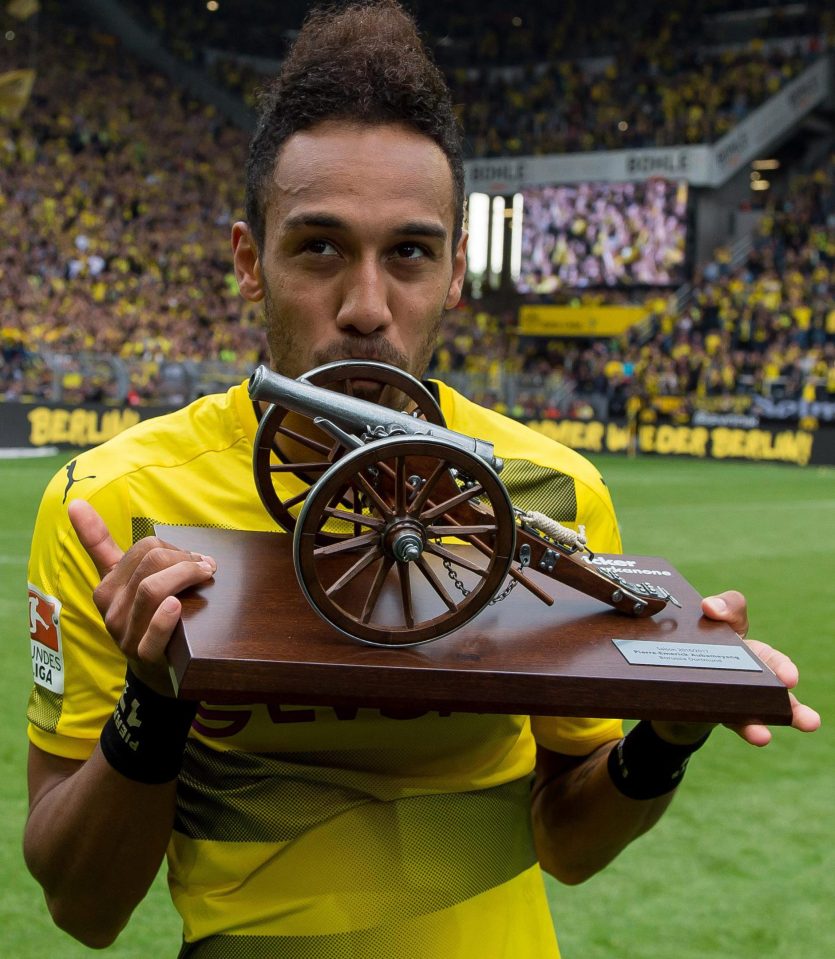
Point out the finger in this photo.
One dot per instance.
(114, 595)
(779, 663)
(804, 718)
(149, 555)
(151, 592)
(152, 646)
(729, 607)
(94, 536)
(159, 558)
(160, 572)
(756, 734)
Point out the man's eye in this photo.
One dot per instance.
(411, 251)
(321, 248)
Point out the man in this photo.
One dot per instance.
(304, 832)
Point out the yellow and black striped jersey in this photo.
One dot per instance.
(312, 832)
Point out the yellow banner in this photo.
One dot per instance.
(15, 88)
(718, 443)
(579, 320)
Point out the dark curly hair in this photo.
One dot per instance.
(364, 63)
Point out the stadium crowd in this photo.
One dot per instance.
(603, 234)
(117, 191)
(494, 33)
(116, 197)
(533, 80)
(643, 97)
(653, 93)
(765, 326)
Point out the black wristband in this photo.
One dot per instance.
(146, 736)
(645, 766)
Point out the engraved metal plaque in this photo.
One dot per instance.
(692, 656)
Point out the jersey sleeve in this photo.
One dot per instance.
(78, 671)
(574, 736)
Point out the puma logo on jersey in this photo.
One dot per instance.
(72, 479)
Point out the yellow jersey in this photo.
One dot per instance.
(312, 832)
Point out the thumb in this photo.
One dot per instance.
(729, 607)
(94, 536)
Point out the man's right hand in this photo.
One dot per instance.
(137, 593)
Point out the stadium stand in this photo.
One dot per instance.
(117, 190)
(763, 327)
(534, 81)
(116, 195)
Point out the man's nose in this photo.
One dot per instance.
(364, 308)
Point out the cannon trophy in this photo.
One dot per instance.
(402, 528)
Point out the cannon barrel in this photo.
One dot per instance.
(355, 415)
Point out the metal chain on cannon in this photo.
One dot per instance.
(459, 585)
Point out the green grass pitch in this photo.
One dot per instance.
(742, 866)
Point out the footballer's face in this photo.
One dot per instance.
(357, 260)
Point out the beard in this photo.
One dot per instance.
(289, 357)
(373, 347)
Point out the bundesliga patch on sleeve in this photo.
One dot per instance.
(45, 639)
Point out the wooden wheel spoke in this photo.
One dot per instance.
(360, 519)
(284, 433)
(293, 500)
(436, 584)
(452, 502)
(400, 485)
(296, 467)
(311, 444)
(404, 575)
(378, 500)
(460, 530)
(447, 554)
(332, 508)
(346, 545)
(350, 574)
(376, 589)
(334, 451)
(427, 488)
(406, 593)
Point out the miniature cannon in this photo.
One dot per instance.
(381, 498)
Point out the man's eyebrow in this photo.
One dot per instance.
(424, 228)
(298, 220)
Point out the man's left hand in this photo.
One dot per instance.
(730, 607)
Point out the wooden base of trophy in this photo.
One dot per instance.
(251, 636)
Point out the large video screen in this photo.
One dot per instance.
(603, 235)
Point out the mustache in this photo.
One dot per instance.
(376, 348)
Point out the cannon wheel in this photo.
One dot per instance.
(321, 450)
(385, 584)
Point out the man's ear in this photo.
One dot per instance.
(459, 270)
(247, 263)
